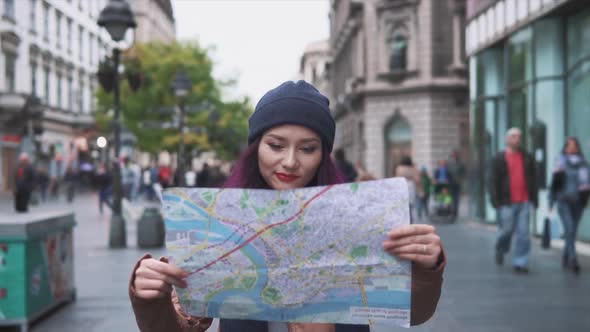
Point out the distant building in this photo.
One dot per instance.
(398, 81)
(49, 53)
(530, 68)
(314, 66)
(155, 21)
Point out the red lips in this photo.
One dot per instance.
(286, 177)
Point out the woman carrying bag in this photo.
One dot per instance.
(570, 189)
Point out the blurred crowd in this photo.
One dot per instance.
(46, 183)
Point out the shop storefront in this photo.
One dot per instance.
(536, 79)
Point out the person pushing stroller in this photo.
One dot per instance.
(443, 201)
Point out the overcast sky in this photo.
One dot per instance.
(259, 42)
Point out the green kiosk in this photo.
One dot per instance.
(36, 264)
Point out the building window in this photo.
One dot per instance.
(81, 96)
(398, 53)
(81, 42)
(47, 85)
(398, 135)
(58, 29)
(33, 79)
(45, 21)
(33, 15)
(59, 92)
(91, 48)
(9, 71)
(70, 94)
(578, 93)
(9, 9)
(69, 34)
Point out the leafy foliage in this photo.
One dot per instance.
(158, 63)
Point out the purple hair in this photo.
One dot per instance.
(245, 173)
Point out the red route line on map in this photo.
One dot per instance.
(257, 234)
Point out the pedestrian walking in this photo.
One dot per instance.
(165, 176)
(55, 176)
(204, 176)
(345, 166)
(146, 183)
(70, 181)
(136, 180)
(190, 178)
(291, 135)
(25, 182)
(570, 189)
(127, 178)
(105, 190)
(42, 183)
(406, 169)
(424, 196)
(513, 191)
(457, 171)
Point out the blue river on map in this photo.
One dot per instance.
(333, 303)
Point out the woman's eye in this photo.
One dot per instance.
(309, 149)
(275, 147)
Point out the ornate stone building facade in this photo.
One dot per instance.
(315, 64)
(155, 21)
(398, 81)
(49, 53)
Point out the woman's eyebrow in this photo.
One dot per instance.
(275, 136)
(309, 140)
(304, 140)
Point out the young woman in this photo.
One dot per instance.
(291, 135)
(570, 187)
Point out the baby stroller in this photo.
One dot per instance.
(443, 204)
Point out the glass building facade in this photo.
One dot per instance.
(536, 79)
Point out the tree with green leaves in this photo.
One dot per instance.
(155, 64)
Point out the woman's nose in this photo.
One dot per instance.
(290, 159)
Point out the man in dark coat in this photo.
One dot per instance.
(513, 191)
(25, 182)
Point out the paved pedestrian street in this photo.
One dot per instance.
(477, 294)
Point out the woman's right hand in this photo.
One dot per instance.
(154, 279)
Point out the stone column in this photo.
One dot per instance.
(371, 30)
(458, 8)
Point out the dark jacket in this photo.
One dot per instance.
(500, 182)
(24, 178)
(346, 168)
(165, 314)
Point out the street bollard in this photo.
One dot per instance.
(150, 229)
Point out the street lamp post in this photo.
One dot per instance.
(181, 85)
(116, 18)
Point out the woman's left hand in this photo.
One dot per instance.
(418, 243)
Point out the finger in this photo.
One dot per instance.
(150, 294)
(421, 260)
(413, 239)
(147, 273)
(420, 249)
(166, 268)
(409, 230)
(152, 284)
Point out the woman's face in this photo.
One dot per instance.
(289, 156)
(571, 147)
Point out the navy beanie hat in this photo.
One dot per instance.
(297, 103)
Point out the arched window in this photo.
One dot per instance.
(398, 142)
(398, 52)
